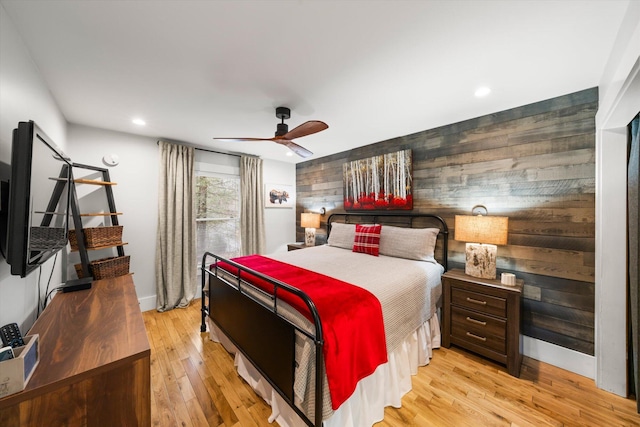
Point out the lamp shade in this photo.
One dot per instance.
(310, 220)
(481, 229)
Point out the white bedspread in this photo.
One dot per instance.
(407, 290)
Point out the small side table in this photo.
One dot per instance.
(296, 245)
(483, 316)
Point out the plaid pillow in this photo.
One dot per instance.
(367, 239)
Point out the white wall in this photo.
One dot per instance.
(23, 96)
(136, 196)
(619, 102)
(280, 222)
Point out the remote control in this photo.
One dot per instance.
(11, 335)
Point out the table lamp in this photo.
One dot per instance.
(481, 233)
(310, 221)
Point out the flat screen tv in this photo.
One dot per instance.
(38, 205)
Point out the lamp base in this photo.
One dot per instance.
(481, 260)
(310, 236)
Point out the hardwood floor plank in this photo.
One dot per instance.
(164, 365)
(185, 388)
(221, 402)
(198, 418)
(175, 396)
(175, 338)
(220, 358)
(202, 394)
(161, 410)
(260, 414)
(245, 418)
(194, 382)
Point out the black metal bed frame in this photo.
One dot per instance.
(254, 325)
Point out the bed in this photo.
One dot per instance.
(279, 333)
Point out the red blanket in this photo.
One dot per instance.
(352, 325)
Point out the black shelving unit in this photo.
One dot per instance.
(77, 220)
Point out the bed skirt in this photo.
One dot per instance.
(365, 407)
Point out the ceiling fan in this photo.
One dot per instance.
(284, 136)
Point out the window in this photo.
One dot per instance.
(217, 206)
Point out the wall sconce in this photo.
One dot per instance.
(482, 233)
(310, 221)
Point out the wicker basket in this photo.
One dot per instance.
(96, 237)
(47, 238)
(106, 267)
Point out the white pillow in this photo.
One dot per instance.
(409, 243)
(342, 235)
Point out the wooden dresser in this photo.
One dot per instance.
(483, 316)
(94, 365)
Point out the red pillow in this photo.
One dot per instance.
(367, 239)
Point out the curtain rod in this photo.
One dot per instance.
(217, 152)
(211, 151)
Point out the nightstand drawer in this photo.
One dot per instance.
(478, 337)
(478, 323)
(480, 302)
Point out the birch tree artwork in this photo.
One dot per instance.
(378, 183)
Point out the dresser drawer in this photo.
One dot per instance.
(480, 302)
(478, 323)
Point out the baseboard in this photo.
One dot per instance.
(147, 303)
(570, 360)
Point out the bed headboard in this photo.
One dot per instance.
(417, 220)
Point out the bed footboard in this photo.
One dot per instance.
(258, 330)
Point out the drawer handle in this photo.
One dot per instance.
(469, 334)
(477, 322)
(475, 301)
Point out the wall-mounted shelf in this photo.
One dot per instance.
(101, 214)
(92, 181)
(95, 248)
(50, 213)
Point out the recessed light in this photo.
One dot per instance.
(139, 122)
(482, 91)
(289, 153)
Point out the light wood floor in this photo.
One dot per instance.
(194, 383)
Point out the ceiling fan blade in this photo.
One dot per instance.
(307, 128)
(242, 139)
(300, 151)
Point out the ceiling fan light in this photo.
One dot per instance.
(282, 129)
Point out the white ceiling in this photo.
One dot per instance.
(372, 70)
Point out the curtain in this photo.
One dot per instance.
(176, 240)
(633, 206)
(251, 206)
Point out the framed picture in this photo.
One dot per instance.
(279, 196)
(379, 183)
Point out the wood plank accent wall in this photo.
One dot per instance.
(534, 164)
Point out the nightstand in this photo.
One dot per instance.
(296, 245)
(483, 316)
